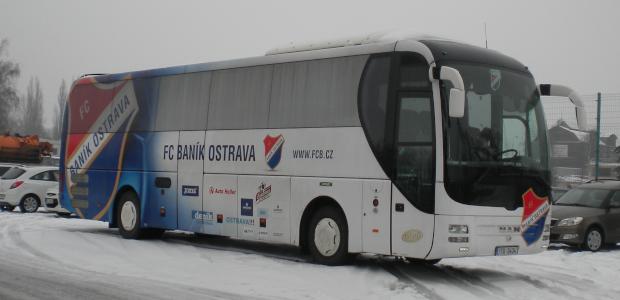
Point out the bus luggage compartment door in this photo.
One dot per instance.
(376, 217)
(190, 154)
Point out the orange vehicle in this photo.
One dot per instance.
(16, 148)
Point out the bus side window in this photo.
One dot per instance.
(373, 102)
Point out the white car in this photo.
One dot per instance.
(52, 204)
(4, 167)
(25, 186)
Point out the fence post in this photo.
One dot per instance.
(598, 134)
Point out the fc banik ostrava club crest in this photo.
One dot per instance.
(535, 210)
(273, 150)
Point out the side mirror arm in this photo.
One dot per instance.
(456, 105)
(564, 91)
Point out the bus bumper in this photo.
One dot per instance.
(486, 236)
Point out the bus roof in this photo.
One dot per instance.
(368, 44)
(360, 45)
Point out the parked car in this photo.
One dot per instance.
(52, 204)
(588, 216)
(4, 167)
(557, 193)
(25, 186)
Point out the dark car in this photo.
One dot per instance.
(588, 216)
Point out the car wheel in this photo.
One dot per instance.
(328, 236)
(29, 204)
(593, 240)
(7, 207)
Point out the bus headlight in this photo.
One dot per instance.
(570, 221)
(458, 229)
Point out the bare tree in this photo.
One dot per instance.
(9, 71)
(33, 109)
(59, 109)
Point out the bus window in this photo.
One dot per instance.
(373, 101)
(414, 151)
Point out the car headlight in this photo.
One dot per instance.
(570, 221)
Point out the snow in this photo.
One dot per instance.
(181, 264)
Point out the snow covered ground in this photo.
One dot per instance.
(43, 256)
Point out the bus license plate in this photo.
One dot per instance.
(506, 250)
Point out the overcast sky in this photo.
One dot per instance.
(576, 43)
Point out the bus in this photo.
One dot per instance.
(415, 147)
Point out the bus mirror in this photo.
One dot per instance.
(456, 103)
(564, 91)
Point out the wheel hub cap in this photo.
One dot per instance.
(327, 237)
(128, 216)
(594, 240)
(30, 204)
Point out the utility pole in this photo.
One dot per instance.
(486, 43)
(598, 134)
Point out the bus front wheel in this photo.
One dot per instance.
(328, 236)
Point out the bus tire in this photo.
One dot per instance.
(128, 214)
(328, 236)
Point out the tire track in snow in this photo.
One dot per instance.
(421, 288)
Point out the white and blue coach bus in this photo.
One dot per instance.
(414, 147)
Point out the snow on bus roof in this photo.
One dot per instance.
(377, 37)
(360, 45)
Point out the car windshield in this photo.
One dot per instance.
(13, 173)
(584, 197)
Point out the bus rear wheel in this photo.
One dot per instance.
(328, 237)
(128, 217)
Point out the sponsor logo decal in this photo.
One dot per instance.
(277, 209)
(190, 190)
(273, 150)
(222, 191)
(240, 221)
(247, 207)
(263, 212)
(411, 236)
(535, 210)
(264, 192)
(205, 216)
(496, 79)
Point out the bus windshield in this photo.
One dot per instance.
(499, 148)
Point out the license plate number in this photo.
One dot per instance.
(506, 250)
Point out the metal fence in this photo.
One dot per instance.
(574, 158)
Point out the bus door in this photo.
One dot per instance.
(413, 189)
(410, 155)
(190, 154)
